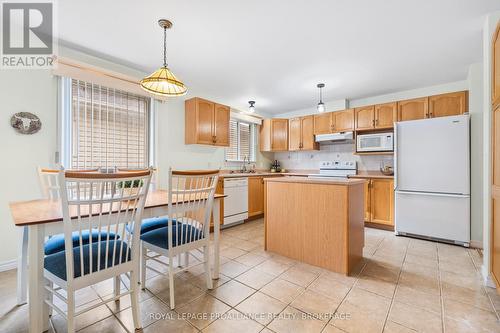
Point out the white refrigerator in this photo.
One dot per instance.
(432, 178)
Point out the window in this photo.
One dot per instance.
(242, 141)
(108, 128)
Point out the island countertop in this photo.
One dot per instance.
(314, 180)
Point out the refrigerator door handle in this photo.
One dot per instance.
(450, 195)
(395, 156)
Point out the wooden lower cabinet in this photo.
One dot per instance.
(219, 190)
(379, 201)
(255, 196)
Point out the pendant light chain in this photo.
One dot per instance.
(164, 47)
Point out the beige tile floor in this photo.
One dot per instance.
(404, 285)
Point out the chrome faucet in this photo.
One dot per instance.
(243, 166)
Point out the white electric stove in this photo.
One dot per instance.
(339, 169)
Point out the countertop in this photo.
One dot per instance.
(361, 174)
(323, 181)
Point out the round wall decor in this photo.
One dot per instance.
(25, 122)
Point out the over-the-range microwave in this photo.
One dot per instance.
(375, 142)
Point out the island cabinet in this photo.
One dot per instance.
(206, 122)
(301, 134)
(378, 116)
(379, 201)
(274, 135)
(451, 104)
(334, 122)
(319, 222)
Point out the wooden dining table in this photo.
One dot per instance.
(44, 218)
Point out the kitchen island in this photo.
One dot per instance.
(316, 221)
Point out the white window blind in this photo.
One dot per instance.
(242, 141)
(109, 127)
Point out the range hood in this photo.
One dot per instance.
(334, 138)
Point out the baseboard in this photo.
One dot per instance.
(8, 265)
(379, 226)
(476, 244)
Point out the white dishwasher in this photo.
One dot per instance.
(236, 202)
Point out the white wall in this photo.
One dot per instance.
(488, 31)
(475, 80)
(30, 91)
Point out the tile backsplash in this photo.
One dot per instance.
(339, 151)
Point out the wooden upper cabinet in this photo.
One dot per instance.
(222, 115)
(307, 133)
(495, 75)
(451, 104)
(301, 134)
(413, 109)
(274, 135)
(365, 117)
(294, 134)
(343, 121)
(386, 114)
(206, 122)
(323, 123)
(255, 196)
(382, 201)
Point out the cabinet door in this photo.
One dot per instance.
(219, 189)
(368, 214)
(386, 115)
(413, 109)
(221, 125)
(205, 122)
(255, 196)
(279, 134)
(365, 117)
(344, 120)
(307, 133)
(323, 123)
(382, 201)
(448, 104)
(495, 93)
(495, 196)
(294, 134)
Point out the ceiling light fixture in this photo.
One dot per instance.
(321, 106)
(251, 108)
(163, 82)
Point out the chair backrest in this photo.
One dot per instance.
(49, 182)
(196, 189)
(108, 204)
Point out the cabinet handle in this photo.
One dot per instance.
(376, 122)
(373, 122)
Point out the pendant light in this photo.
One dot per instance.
(321, 106)
(163, 82)
(251, 108)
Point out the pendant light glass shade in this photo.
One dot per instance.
(321, 106)
(251, 108)
(163, 82)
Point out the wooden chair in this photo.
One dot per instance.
(188, 224)
(49, 186)
(105, 202)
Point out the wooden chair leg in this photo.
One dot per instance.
(171, 281)
(206, 263)
(71, 311)
(22, 269)
(134, 297)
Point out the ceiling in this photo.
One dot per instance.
(275, 52)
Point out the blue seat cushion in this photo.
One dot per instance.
(56, 263)
(56, 243)
(153, 223)
(181, 234)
